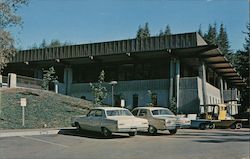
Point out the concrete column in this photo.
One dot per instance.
(221, 90)
(202, 74)
(68, 77)
(11, 80)
(1, 80)
(171, 80)
(177, 86)
(225, 85)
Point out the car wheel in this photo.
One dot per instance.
(152, 130)
(238, 125)
(233, 126)
(202, 126)
(212, 126)
(172, 132)
(132, 133)
(106, 132)
(78, 127)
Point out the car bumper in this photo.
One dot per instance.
(181, 126)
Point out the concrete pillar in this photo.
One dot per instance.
(225, 85)
(171, 80)
(221, 90)
(11, 80)
(67, 79)
(177, 86)
(1, 80)
(202, 74)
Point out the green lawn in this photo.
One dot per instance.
(43, 107)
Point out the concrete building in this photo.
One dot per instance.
(181, 68)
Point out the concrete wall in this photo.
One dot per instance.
(189, 98)
(127, 89)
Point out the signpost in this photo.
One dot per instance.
(23, 103)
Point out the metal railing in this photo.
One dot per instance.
(23, 81)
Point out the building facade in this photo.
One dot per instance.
(180, 69)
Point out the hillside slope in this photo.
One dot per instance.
(43, 108)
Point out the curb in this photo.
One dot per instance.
(29, 133)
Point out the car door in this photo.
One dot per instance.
(86, 122)
(143, 113)
(95, 122)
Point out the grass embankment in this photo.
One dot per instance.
(43, 108)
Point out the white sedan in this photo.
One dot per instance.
(159, 118)
(108, 120)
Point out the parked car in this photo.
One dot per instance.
(108, 120)
(183, 121)
(159, 118)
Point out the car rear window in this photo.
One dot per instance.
(162, 112)
(118, 113)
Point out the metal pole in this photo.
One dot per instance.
(112, 86)
(23, 110)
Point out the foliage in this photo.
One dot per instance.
(149, 94)
(53, 43)
(173, 105)
(43, 107)
(223, 42)
(167, 31)
(240, 60)
(143, 32)
(211, 35)
(200, 31)
(8, 18)
(48, 76)
(99, 91)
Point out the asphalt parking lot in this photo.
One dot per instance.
(187, 143)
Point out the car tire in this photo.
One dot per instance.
(132, 133)
(212, 126)
(172, 132)
(233, 126)
(238, 125)
(78, 127)
(152, 130)
(106, 132)
(202, 126)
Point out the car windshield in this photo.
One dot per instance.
(162, 112)
(118, 113)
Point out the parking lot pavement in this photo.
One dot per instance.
(187, 143)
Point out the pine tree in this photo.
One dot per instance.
(146, 31)
(143, 32)
(211, 35)
(161, 33)
(167, 30)
(223, 42)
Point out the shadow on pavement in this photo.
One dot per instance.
(88, 134)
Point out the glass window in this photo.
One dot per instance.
(98, 113)
(118, 113)
(162, 112)
(91, 113)
(135, 100)
(143, 112)
(135, 112)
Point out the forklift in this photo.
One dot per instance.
(216, 116)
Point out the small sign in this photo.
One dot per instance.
(23, 102)
(122, 103)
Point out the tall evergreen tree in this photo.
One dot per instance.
(143, 32)
(167, 30)
(146, 31)
(211, 35)
(223, 42)
(161, 33)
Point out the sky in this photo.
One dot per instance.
(85, 21)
